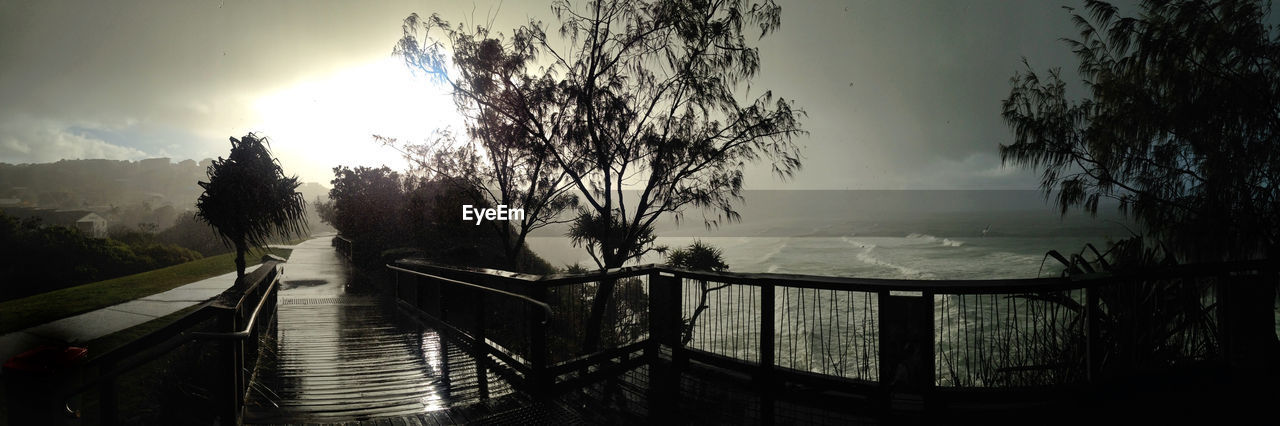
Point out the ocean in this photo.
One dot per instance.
(881, 234)
(920, 235)
(980, 340)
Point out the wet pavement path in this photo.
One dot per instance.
(345, 354)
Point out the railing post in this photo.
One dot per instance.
(767, 335)
(664, 309)
(538, 323)
(1093, 343)
(906, 347)
(479, 333)
(108, 410)
(229, 373)
(1246, 303)
(482, 382)
(665, 328)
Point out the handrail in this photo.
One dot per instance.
(545, 307)
(253, 318)
(179, 339)
(944, 286)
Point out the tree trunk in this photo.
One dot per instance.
(604, 294)
(240, 250)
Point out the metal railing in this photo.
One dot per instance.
(207, 357)
(878, 336)
(345, 246)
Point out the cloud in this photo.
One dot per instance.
(27, 140)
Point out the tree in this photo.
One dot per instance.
(699, 257)
(500, 160)
(366, 205)
(498, 166)
(646, 97)
(1181, 124)
(248, 199)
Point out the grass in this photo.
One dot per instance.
(45, 307)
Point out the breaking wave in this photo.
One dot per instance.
(943, 241)
(865, 256)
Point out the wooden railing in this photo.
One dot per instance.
(886, 339)
(210, 354)
(345, 246)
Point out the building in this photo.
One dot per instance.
(92, 225)
(89, 223)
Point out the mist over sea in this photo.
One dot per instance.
(882, 234)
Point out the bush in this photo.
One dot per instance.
(40, 258)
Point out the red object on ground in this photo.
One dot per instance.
(46, 359)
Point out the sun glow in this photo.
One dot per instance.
(323, 122)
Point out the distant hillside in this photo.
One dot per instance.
(74, 184)
(126, 193)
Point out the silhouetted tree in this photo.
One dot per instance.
(1180, 124)
(190, 232)
(248, 199)
(646, 97)
(500, 160)
(324, 209)
(698, 256)
(366, 205)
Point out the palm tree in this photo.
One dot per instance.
(248, 199)
(699, 257)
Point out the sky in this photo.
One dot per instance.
(899, 94)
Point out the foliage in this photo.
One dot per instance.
(1180, 124)
(698, 256)
(38, 258)
(61, 303)
(324, 210)
(248, 199)
(627, 314)
(645, 96)
(495, 166)
(366, 202)
(1142, 323)
(188, 231)
(383, 212)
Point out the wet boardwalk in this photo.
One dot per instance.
(344, 355)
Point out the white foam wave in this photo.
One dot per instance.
(856, 243)
(769, 256)
(865, 256)
(947, 242)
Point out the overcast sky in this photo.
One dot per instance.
(900, 94)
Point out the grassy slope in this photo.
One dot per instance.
(45, 307)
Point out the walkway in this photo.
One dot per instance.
(344, 354)
(94, 324)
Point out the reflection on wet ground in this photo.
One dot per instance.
(292, 284)
(343, 354)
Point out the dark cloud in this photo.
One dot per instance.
(907, 94)
(900, 94)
